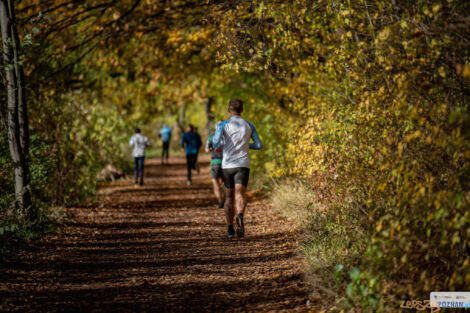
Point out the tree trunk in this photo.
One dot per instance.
(3, 99)
(210, 115)
(15, 94)
(3, 105)
(22, 110)
(182, 119)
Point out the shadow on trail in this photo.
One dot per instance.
(142, 205)
(161, 247)
(145, 295)
(164, 189)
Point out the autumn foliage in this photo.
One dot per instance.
(373, 98)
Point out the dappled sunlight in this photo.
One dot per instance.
(130, 251)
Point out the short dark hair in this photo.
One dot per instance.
(191, 127)
(235, 106)
(137, 130)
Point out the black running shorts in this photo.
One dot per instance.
(237, 175)
(216, 171)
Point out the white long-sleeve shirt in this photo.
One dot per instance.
(234, 135)
(140, 142)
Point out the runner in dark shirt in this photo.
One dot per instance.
(191, 143)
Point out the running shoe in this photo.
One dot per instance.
(220, 205)
(240, 226)
(230, 232)
(188, 183)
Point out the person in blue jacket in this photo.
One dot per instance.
(191, 143)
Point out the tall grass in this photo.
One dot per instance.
(333, 237)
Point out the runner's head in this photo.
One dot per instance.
(235, 106)
(137, 130)
(190, 128)
(217, 123)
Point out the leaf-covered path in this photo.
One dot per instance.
(159, 247)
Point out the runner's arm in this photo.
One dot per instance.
(131, 142)
(208, 144)
(199, 142)
(218, 137)
(256, 144)
(183, 140)
(147, 142)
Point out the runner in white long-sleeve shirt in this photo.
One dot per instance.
(139, 142)
(234, 135)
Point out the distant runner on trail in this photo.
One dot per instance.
(234, 136)
(192, 141)
(216, 169)
(139, 142)
(196, 164)
(165, 135)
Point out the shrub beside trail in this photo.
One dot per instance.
(376, 94)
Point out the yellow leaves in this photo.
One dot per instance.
(426, 11)
(422, 191)
(464, 267)
(400, 149)
(384, 34)
(463, 70)
(412, 136)
(381, 91)
(116, 15)
(428, 140)
(436, 8)
(380, 59)
(381, 187)
(442, 71)
(378, 228)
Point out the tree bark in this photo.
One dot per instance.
(182, 119)
(3, 100)
(15, 94)
(210, 115)
(22, 110)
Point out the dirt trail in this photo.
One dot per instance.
(161, 247)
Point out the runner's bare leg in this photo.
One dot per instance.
(229, 206)
(240, 198)
(218, 189)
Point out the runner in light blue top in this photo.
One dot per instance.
(234, 136)
(165, 135)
